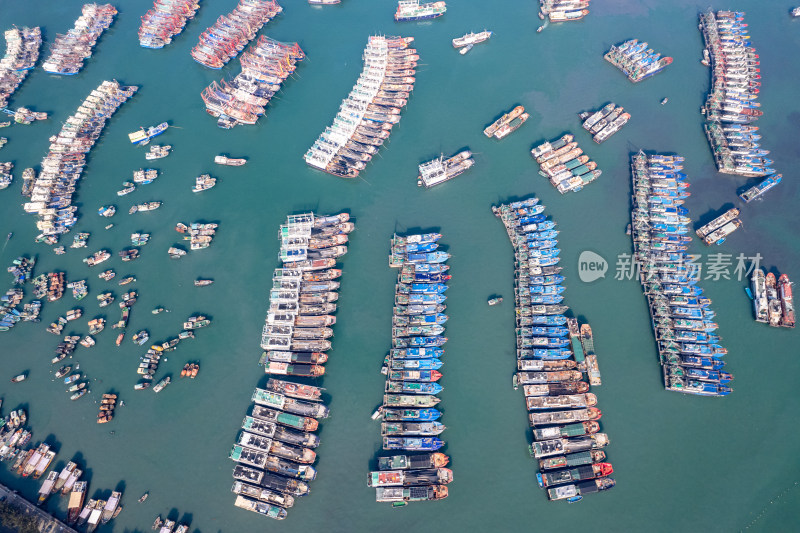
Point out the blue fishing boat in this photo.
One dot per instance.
(715, 376)
(419, 298)
(416, 353)
(546, 289)
(436, 340)
(541, 226)
(430, 257)
(543, 261)
(552, 252)
(549, 320)
(428, 288)
(547, 354)
(546, 298)
(417, 247)
(755, 192)
(412, 387)
(535, 219)
(416, 364)
(433, 268)
(412, 443)
(703, 388)
(411, 415)
(707, 363)
(549, 331)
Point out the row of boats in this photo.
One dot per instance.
(564, 164)
(731, 106)
(274, 450)
(366, 117)
(507, 123)
(22, 52)
(5, 174)
(689, 351)
(61, 168)
(164, 21)
(553, 354)
(716, 231)
(439, 170)
(772, 300)
(231, 33)
(35, 461)
(636, 61)
(410, 420)
(265, 66)
(198, 234)
(563, 10)
(605, 122)
(70, 50)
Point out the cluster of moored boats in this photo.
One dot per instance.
(440, 169)
(565, 165)
(731, 107)
(274, 450)
(231, 33)
(689, 351)
(366, 117)
(198, 234)
(70, 50)
(409, 418)
(168, 525)
(51, 196)
(636, 61)
(22, 52)
(303, 296)
(107, 405)
(5, 174)
(772, 300)
(149, 362)
(553, 353)
(265, 66)
(563, 10)
(10, 315)
(716, 231)
(507, 123)
(35, 461)
(164, 21)
(606, 122)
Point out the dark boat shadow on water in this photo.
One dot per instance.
(710, 215)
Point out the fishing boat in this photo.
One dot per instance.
(495, 301)
(20, 377)
(471, 38)
(409, 10)
(162, 384)
(203, 282)
(143, 497)
(142, 136)
(756, 191)
(575, 492)
(229, 161)
(787, 302)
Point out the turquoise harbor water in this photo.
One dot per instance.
(682, 463)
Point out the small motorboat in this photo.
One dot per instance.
(466, 49)
(664, 101)
(21, 377)
(144, 497)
